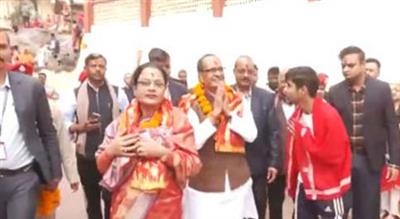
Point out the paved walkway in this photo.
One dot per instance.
(73, 205)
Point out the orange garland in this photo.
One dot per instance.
(131, 118)
(154, 122)
(226, 141)
(49, 200)
(205, 105)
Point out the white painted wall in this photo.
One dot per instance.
(286, 33)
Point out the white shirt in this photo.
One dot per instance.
(306, 120)
(244, 126)
(288, 109)
(17, 153)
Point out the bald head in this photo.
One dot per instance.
(243, 59)
(200, 62)
(245, 72)
(211, 72)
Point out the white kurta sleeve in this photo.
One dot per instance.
(67, 149)
(202, 130)
(68, 107)
(122, 99)
(245, 125)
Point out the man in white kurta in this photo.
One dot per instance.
(222, 189)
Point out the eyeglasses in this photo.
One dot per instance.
(213, 70)
(243, 70)
(157, 84)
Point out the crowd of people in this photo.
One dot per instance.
(60, 34)
(26, 15)
(51, 55)
(158, 149)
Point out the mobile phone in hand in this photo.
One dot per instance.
(95, 116)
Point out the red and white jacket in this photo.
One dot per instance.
(322, 157)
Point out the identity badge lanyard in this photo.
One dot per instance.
(3, 154)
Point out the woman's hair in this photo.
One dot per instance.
(136, 74)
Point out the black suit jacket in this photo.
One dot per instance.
(177, 90)
(379, 122)
(264, 152)
(36, 124)
(281, 118)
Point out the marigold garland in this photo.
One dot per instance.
(49, 200)
(226, 141)
(204, 103)
(154, 122)
(132, 117)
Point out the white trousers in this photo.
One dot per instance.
(232, 204)
(390, 201)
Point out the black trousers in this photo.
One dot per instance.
(366, 185)
(19, 195)
(274, 193)
(90, 178)
(313, 209)
(260, 194)
(276, 197)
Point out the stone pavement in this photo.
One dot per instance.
(73, 204)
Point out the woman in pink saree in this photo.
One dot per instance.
(148, 152)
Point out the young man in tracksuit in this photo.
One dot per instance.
(319, 162)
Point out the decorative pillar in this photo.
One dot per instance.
(145, 12)
(218, 7)
(88, 15)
